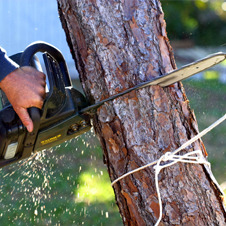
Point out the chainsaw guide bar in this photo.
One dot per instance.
(169, 78)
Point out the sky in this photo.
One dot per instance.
(25, 21)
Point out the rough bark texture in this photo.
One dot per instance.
(118, 44)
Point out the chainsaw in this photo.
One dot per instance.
(66, 113)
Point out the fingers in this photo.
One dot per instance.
(35, 74)
(38, 92)
(25, 118)
(30, 70)
(38, 102)
(25, 88)
(35, 87)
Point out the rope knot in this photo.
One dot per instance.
(166, 156)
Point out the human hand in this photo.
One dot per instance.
(25, 88)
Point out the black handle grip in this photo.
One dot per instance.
(30, 138)
(35, 116)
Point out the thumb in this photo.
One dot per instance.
(25, 118)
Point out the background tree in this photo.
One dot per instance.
(119, 44)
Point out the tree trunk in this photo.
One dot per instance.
(118, 44)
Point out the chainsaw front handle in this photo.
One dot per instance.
(38, 46)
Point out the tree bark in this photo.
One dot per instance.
(118, 44)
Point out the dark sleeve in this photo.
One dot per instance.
(6, 64)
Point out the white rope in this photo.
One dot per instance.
(188, 158)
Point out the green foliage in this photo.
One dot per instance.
(201, 21)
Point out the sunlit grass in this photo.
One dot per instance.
(225, 197)
(210, 75)
(94, 187)
(223, 63)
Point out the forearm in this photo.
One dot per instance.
(6, 64)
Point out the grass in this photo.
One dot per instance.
(94, 186)
(44, 191)
(69, 185)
